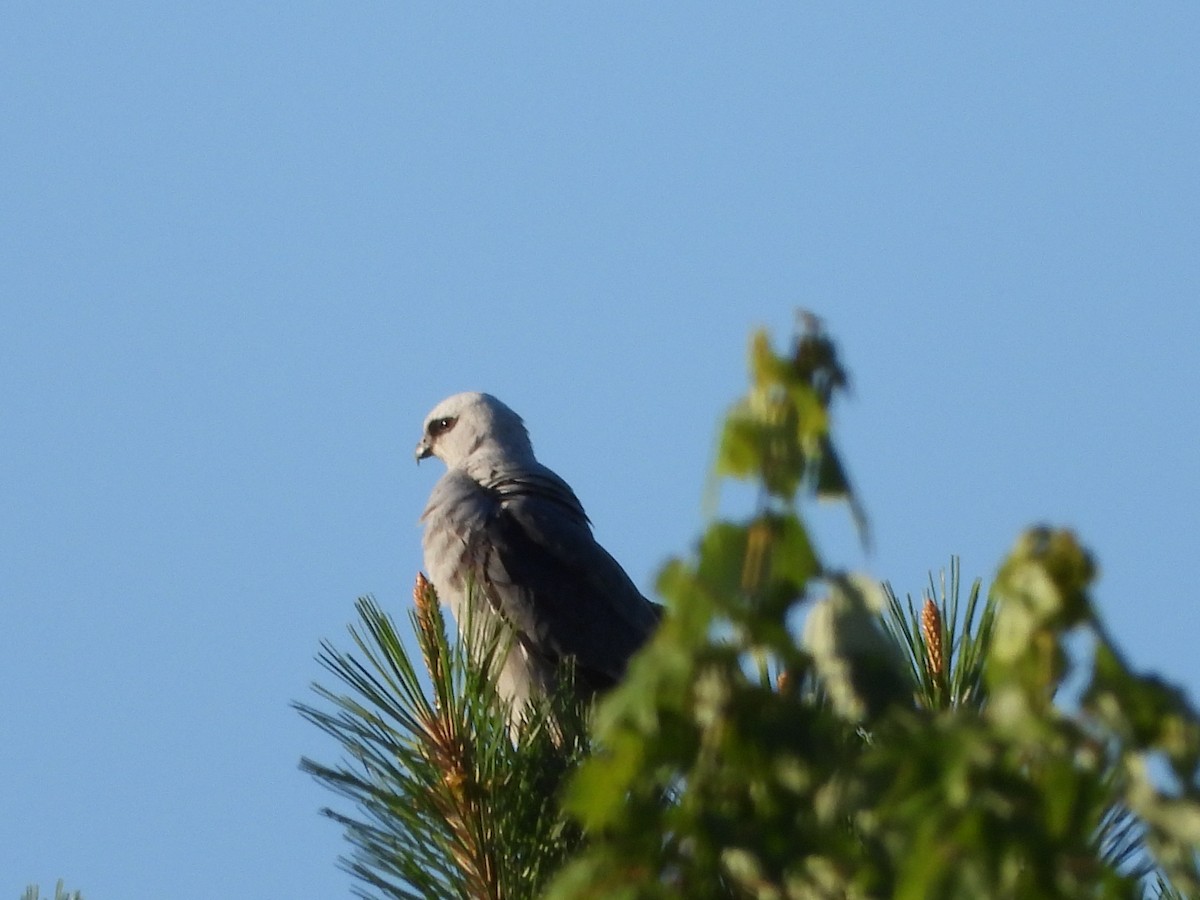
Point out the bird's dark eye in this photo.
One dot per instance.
(441, 426)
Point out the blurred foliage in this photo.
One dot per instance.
(792, 730)
(888, 750)
(33, 892)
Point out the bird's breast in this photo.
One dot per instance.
(457, 512)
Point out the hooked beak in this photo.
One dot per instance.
(424, 450)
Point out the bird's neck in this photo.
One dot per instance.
(489, 459)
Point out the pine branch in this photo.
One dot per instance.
(449, 802)
(945, 650)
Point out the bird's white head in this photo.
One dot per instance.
(470, 424)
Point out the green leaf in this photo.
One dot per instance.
(740, 451)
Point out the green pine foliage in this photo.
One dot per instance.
(792, 730)
(450, 802)
(945, 654)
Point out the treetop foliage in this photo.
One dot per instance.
(792, 730)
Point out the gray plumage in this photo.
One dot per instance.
(508, 527)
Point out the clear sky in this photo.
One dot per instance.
(245, 247)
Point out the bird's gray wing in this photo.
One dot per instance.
(540, 566)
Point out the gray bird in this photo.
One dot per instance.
(503, 527)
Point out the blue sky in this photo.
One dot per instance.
(244, 249)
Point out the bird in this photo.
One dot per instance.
(506, 540)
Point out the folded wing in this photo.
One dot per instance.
(540, 567)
